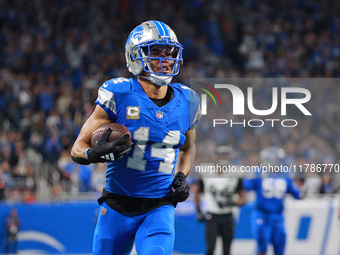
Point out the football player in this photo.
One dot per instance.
(220, 196)
(269, 204)
(147, 178)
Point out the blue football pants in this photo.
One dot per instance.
(269, 228)
(153, 232)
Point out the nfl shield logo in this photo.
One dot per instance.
(159, 114)
(103, 211)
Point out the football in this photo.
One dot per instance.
(117, 131)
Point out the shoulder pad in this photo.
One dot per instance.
(117, 85)
(188, 93)
(193, 102)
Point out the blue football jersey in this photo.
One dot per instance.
(270, 192)
(157, 132)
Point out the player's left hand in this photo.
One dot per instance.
(180, 188)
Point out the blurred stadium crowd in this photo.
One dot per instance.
(55, 54)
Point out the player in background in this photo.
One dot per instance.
(143, 185)
(221, 194)
(12, 223)
(269, 203)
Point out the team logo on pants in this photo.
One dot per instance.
(103, 211)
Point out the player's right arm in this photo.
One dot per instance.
(242, 197)
(198, 190)
(104, 151)
(98, 118)
(294, 189)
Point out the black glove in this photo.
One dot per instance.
(104, 151)
(199, 215)
(180, 188)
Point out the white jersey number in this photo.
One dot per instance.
(164, 150)
(274, 188)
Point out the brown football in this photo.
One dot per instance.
(117, 131)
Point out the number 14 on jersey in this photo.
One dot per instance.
(164, 150)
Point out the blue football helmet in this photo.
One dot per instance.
(142, 40)
(272, 155)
